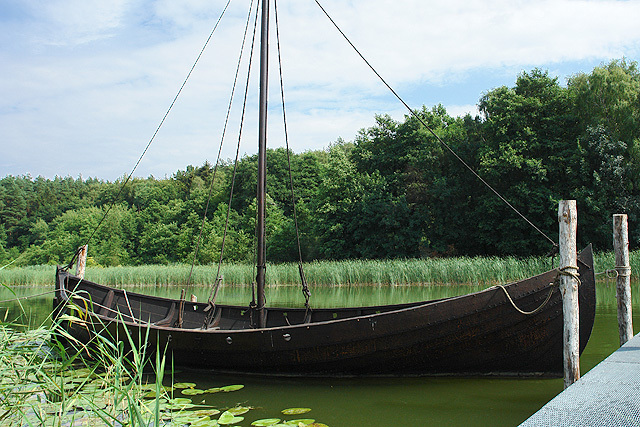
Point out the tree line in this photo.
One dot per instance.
(394, 191)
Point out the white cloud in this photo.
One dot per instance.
(73, 22)
(94, 78)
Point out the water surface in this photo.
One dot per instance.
(372, 401)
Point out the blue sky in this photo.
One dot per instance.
(85, 83)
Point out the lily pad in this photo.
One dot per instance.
(234, 387)
(192, 391)
(82, 372)
(91, 388)
(184, 385)
(207, 412)
(186, 418)
(295, 411)
(180, 400)
(239, 410)
(147, 387)
(205, 422)
(303, 421)
(266, 422)
(228, 418)
(180, 406)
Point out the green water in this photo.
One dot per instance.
(377, 401)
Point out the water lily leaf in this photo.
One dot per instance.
(192, 391)
(213, 390)
(82, 372)
(150, 406)
(303, 421)
(187, 418)
(147, 387)
(266, 422)
(234, 387)
(91, 388)
(239, 410)
(180, 400)
(228, 418)
(184, 385)
(205, 422)
(295, 411)
(206, 412)
(69, 386)
(179, 406)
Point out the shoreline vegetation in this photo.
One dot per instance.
(431, 271)
(48, 383)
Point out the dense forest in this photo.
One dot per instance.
(392, 192)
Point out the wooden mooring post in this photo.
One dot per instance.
(82, 261)
(568, 220)
(623, 280)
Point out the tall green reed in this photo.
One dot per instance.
(48, 377)
(461, 270)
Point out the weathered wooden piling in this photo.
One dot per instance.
(82, 261)
(623, 280)
(568, 220)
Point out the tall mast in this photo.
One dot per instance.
(262, 163)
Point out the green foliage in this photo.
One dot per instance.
(393, 192)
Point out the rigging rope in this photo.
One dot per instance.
(440, 140)
(305, 287)
(224, 131)
(214, 292)
(153, 137)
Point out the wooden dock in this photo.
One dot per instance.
(607, 395)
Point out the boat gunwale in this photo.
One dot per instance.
(403, 307)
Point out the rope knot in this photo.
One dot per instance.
(623, 271)
(570, 271)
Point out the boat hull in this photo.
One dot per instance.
(476, 334)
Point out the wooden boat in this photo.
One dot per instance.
(478, 334)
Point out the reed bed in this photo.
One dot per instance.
(439, 271)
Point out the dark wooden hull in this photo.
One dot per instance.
(475, 334)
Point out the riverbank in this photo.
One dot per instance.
(434, 271)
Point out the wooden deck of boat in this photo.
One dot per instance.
(607, 395)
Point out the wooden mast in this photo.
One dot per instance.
(262, 164)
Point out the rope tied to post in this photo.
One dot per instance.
(617, 271)
(565, 271)
(569, 270)
(623, 271)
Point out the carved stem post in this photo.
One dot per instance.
(82, 261)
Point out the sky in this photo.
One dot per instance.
(85, 83)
